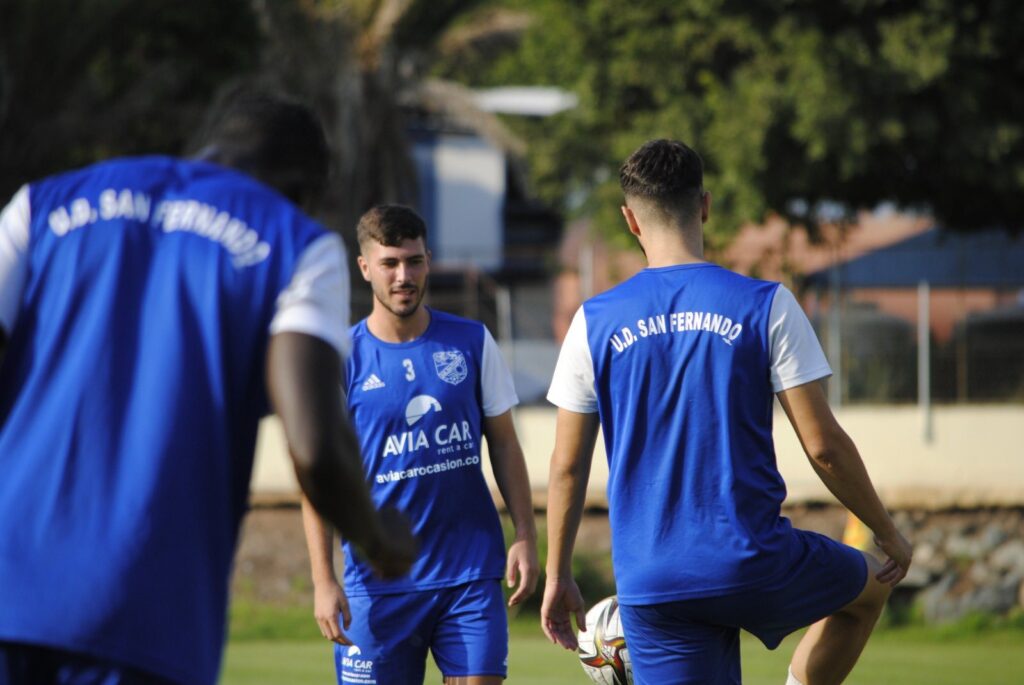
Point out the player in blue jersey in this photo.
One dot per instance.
(145, 305)
(679, 367)
(424, 389)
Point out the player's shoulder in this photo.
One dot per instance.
(448, 322)
(736, 279)
(358, 330)
(129, 167)
(711, 275)
(158, 174)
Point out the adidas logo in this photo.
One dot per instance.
(372, 383)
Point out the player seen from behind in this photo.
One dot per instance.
(147, 306)
(679, 366)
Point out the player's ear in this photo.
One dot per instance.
(631, 222)
(705, 206)
(364, 267)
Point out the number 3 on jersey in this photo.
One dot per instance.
(410, 373)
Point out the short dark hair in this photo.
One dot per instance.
(269, 136)
(390, 225)
(668, 174)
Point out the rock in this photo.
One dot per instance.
(936, 605)
(991, 538)
(931, 535)
(997, 599)
(928, 558)
(904, 521)
(917, 577)
(960, 547)
(1009, 556)
(982, 574)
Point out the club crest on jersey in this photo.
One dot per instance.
(450, 366)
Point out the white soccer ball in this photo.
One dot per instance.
(603, 652)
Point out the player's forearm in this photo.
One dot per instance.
(575, 435)
(320, 544)
(335, 487)
(834, 456)
(567, 485)
(303, 378)
(513, 482)
(840, 467)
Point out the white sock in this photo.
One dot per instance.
(791, 680)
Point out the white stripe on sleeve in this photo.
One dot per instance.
(14, 236)
(572, 384)
(796, 355)
(496, 386)
(316, 301)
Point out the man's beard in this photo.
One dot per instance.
(407, 310)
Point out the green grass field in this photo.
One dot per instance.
(907, 656)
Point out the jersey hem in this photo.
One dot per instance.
(493, 413)
(99, 650)
(424, 587)
(801, 379)
(563, 403)
(675, 596)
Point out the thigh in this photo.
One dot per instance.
(824, 577)
(389, 635)
(669, 647)
(23, 664)
(471, 634)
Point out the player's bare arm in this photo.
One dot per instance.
(837, 462)
(303, 375)
(329, 599)
(575, 436)
(513, 481)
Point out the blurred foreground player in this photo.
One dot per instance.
(147, 306)
(679, 366)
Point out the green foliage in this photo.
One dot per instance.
(795, 105)
(82, 80)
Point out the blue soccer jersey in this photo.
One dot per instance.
(133, 382)
(418, 408)
(681, 363)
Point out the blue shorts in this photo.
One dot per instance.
(697, 640)
(464, 627)
(25, 664)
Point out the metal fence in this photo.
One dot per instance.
(880, 357)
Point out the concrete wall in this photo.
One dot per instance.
(975, 456)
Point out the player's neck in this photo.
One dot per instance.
(387, 326)
(673, 254)
(672, 247)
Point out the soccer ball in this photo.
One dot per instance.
(603, 652)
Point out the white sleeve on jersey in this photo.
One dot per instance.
(14, 233)
(496, 386)
(796, 355)
(572, 384)
(316, 302)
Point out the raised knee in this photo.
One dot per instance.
(875, 594)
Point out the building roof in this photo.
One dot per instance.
(942, 258)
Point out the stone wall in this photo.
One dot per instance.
(966, 561)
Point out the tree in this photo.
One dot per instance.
(365, 64)
(82, 80)
(798, 107)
